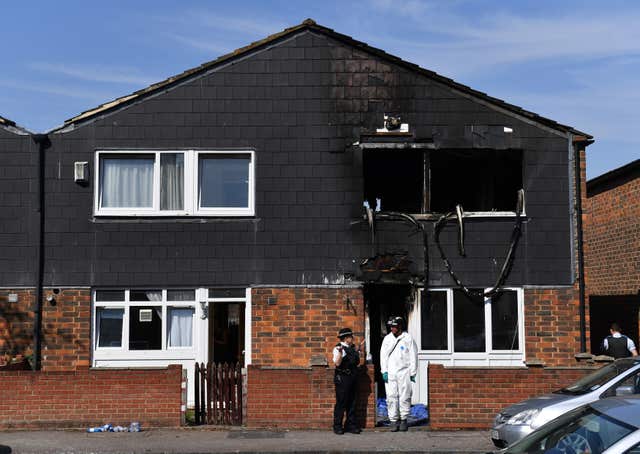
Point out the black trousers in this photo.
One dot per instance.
(346, 389)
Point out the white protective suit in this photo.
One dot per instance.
(401, 363)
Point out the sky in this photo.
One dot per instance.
(575, 61)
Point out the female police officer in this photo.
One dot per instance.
(346, 359)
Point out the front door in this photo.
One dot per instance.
(226, 332)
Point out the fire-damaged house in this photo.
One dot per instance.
(247, 209)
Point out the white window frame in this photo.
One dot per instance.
(489, 357)
(123, 352)
(191, 186)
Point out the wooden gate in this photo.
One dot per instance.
(218, 393)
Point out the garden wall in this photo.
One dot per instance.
(302, 398)
(91, 397)
(470, 398)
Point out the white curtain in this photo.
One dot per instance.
(126, 182)
(180, 326)
(172, 181)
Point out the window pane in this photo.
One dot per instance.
(110, 295)
(145, 295)
(180, 326)
(145, 329)
(109, 327)
(181, 295)
(224, 181)
(126, 181)
(434, 321)
(171, 181)
(468, 323)
(504, 320)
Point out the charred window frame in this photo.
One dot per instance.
(483, 181)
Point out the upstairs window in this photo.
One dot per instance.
(174, 183)
(420, 182)
(479, 180)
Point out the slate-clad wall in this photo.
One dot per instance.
(299, 104)
(18, 200)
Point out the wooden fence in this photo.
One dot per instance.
(218, 393)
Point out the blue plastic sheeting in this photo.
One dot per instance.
(418, 417)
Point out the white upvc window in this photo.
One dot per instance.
(138, 323)
(456, 327)
(174, 183)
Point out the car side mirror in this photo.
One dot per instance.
(625, 390)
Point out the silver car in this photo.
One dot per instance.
(606, 426)
(619, 378)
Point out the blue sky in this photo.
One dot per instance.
(577, 62)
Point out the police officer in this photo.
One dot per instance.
(618, 345)
(346, 359)
(399, 366)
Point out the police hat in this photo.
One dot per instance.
(344, 332)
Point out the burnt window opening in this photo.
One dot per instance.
(479, 180)
(397, 178)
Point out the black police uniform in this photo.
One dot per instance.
(346, 379)
(617, 347)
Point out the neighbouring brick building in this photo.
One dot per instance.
(218, 216)
(612, 252)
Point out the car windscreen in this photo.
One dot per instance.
(598, 378)
(583, 430)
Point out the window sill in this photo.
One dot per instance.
(470, 214)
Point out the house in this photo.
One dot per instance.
(612, 252)
(220, 216)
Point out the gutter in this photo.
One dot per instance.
(43, 142)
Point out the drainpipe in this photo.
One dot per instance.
(578, 144)
(43, 142)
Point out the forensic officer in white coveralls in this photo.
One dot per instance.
(399, 366)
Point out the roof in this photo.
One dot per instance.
(311, 25)
(6, 122)
(613, 178)
(12, 126)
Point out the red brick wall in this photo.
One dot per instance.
(90, 397)
(469, 398)
(612, 237)
(290, 325)
(552, 325)
(301, 398)
(66, 330)
(66, 327)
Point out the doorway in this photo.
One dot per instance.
(604, 310)
(226, 332)
(384, 301)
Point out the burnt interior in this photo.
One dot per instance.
(420, 181)
(396, 177)
(479, 180)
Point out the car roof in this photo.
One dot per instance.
(625, 409)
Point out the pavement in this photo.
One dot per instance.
(198, 440)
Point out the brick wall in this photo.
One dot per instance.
(612, 237)
(66, 330)
(66, 327)
(469, 398)
(301, 398)
(90, 397)
(552, 325)
(292, 325)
